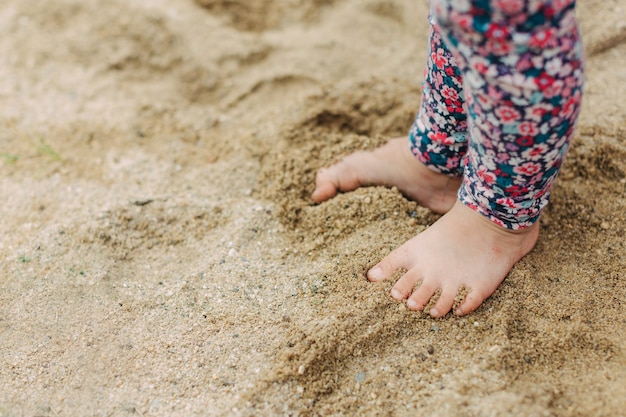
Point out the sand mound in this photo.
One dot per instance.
(160, 254)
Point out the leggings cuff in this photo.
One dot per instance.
(438, 156)
(505, 211)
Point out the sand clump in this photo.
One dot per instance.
(160, 254)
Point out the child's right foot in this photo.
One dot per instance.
(391, 165)
(461, 249)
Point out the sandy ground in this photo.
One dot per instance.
(159, 254)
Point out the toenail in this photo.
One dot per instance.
(459, 312)
(434, 312)
(412, 304)
(376, 273)
(396, 294)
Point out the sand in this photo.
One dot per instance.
(160, 256)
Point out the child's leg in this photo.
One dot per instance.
(522, 70)
(524, 80)
(438, 137)
(428, 168)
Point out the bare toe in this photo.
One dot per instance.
(405, 285)
(421, 296)
(325, 186)
(444, 303)
(389, 264)
(342, 176)
(472, 301)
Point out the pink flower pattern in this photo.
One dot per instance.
(501, 95)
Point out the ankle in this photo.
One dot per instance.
(524, 239)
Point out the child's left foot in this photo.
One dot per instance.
(462, 249)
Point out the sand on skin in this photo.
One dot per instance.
(160, 256)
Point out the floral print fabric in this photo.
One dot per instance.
(501, 95)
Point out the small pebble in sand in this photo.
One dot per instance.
(359, 377)
(605, 225)
(301, 370)
(430, 349)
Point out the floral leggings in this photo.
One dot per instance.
(501, 95)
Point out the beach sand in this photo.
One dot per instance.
(160, 254)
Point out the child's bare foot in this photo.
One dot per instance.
(461, 249)
(392, 165)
